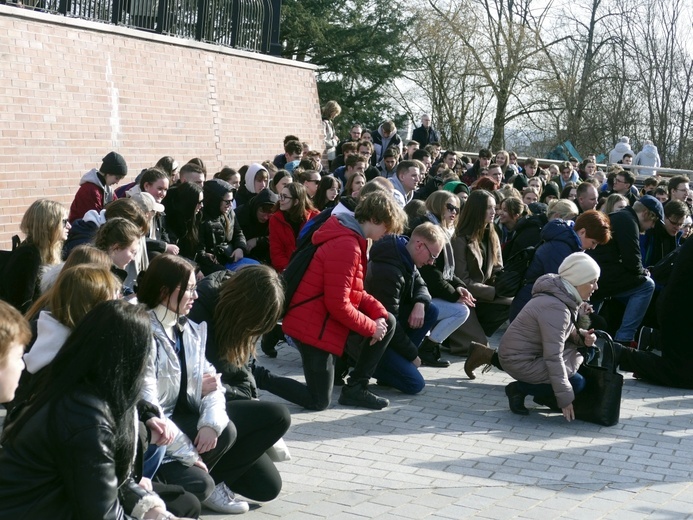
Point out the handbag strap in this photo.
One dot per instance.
(608, 343)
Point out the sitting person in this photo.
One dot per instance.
(45, 226)
(14, 335)
(540, 348)
(69, 453)
(253, 218)
(330, 302)
(393, 279)
(96, 186)
(238, 308)
(477, 253)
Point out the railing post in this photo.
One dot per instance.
(161, 16)
(115, 13)
(275, 48)
(201, 18)
(235, 14)
(63, 6)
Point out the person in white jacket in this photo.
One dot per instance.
(648, 156)
(621, 148)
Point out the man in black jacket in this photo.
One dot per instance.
(623, 276)
(425, 134)
(393, 278)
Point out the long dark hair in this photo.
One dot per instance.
(106, 355)
(165, 274)
(180, 204)
(326, 182)
(302, 204)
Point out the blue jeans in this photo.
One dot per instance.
(395, 371)
(450, 317)
(636, 301)
(417, 335)
(545, 390)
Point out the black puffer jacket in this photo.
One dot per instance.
(394, 281)
(619, 259)
(238, 381)
(62, 463)
(246, 216)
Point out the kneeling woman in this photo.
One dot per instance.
(540, 347)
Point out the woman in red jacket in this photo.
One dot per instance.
(330, 303)
(295, 209)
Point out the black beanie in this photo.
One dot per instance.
(114, 164)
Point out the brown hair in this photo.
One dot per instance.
(596, 225)
(250, 303)
(13, 329)
(43, 225)
(380, 207)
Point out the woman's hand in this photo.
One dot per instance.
(162, 433)
(210, 383)
(569, 413)
(250, 244)
(201, 465)
(237, 255)
(145, 484)
(206, 440)
(466, 297)
(172, 249)
(588, 337)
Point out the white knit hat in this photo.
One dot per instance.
(578, 269)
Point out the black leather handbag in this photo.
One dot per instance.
(600, 401)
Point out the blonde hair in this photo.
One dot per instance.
(43, 225)
(563, 209)
(331, 110)
(13, 329)
(436, 201)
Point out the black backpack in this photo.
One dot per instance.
(300, 260)
(512, 277)
(661, 271)
(5, 255)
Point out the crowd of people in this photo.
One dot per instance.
(129, 320)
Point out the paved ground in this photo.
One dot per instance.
(456, 451)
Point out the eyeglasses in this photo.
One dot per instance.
(316, 181)
(676, 224)
(283, 197)
(685, 190)
(65, 222)
(452, 208)
(191, 290)
(227, 202)
(433, 257)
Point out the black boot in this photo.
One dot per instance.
(429, 353)
(359, 395)
(516, 399)
(270, 340)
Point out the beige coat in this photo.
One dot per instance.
(540, 345)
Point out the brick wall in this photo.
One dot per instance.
(71, 91)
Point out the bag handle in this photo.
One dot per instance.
(609, 342)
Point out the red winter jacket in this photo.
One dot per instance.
(335, 276)
(282, 242)
(92, 194)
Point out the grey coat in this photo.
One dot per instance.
(540, 344)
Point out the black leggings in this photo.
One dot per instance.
(246, 468)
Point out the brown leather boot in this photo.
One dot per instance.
(478, 355)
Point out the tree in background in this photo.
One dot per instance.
(359, 47)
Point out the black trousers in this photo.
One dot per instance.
(655, 369)
(245, 467)
(318, 368)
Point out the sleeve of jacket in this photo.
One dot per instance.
(155, 246)
(279, 249)
(88, 196)
(438, 287)
(90, 482)
(421, 294)
(386, 284)
(554, 331)
(238, 239)
(340, 267)
(480, 290)
(206, 237)
(21, 277)
(213, 405)
(627, 237)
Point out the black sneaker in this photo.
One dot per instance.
(429, 354)
(357, 395)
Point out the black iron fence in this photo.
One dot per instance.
(243, 24)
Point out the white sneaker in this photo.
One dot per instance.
(222, 500)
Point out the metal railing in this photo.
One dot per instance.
(251, 25)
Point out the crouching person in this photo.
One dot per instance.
(540, 347)
(393, 278)
(330, 301)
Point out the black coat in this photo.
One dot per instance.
(62, 463)
(246, 216)
(238, 381)
(619, 259)
(421, 136)
(395, 282)
(527, 233)
(215, 239)
(21, 277)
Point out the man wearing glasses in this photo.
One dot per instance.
(663, 238)
(623, 183)
(679, 189)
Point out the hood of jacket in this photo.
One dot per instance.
(392, 249)
(263, 197)
(563, 231)
(650, 150)
(92, 176)
(250, 176)
(213, 191)
(334, 228)
(622, 148)
(553, 285)
(50, 338)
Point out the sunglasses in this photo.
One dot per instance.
(451, 207)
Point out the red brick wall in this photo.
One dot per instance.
(71, 91)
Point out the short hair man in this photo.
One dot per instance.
(566, 174)
(481, 163)
(530, 167)
(495, 172)
(393, 278)
(412, 146)
(627, 159)
(354, 164)
(425, 134)
(586, 197)
(389, 162)
(623, 182)
(425, 157)
(192, 173)
(386, 137)
(354, 137)
(406, 180)
(623, 276)
(679, 188)
(330, 303)
(293, 150)
(664, 237)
